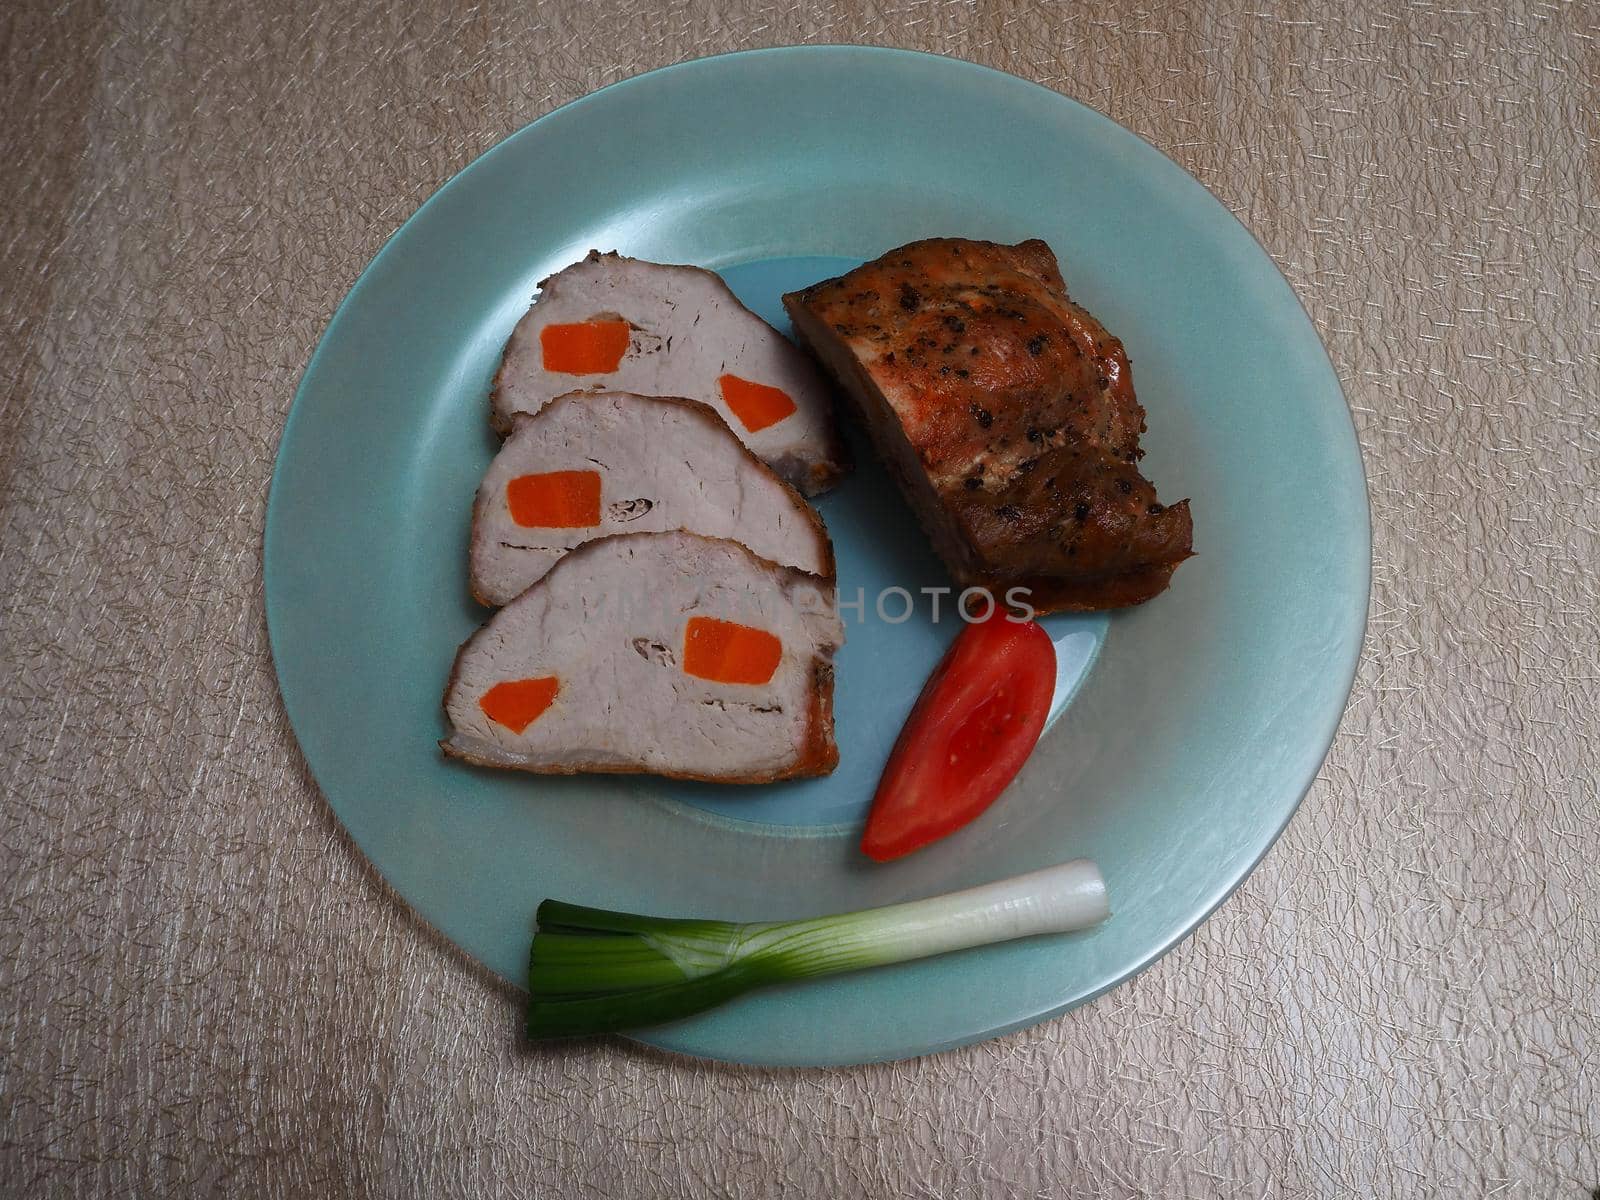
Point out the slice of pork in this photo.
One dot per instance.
(686, 335)
(1006, 413)
(645, 465)
(601, 643)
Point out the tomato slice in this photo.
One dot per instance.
(973, 727)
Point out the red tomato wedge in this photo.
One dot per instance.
(973, 727)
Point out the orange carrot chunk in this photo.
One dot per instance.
(726, 652)
(555, 500)
(518, 703)
(755, 404)
(587, 348)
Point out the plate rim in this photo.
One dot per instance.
(661, 1040)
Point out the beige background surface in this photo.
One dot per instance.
(204, 990)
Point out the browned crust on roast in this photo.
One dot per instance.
(499, 424)
(703, 412)
(823, 476)
(1114, 591)
(837, 461)
(1079, 527)
(894, 451)
(819, 755)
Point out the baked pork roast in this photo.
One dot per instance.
(1006, 414)
(623, 324)
(668, 653)
(591, 464)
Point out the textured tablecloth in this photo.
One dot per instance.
(205, 990)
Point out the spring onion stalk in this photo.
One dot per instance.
(595, 971)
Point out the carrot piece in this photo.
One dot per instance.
(518, 703)
(755, 404)
(586, 348)
(555, 500)
(726, 652)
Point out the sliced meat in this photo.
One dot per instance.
(1007, 415)
(668, 653)
(614, 323)
(588, 465)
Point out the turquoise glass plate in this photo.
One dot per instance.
(1186, 730)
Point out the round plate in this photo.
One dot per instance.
(1198, 720)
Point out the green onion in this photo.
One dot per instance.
(595, 971)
